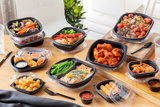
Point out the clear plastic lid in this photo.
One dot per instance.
(34, 53)
(17, 76)
(120, 94)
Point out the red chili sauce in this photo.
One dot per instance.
(86, 96)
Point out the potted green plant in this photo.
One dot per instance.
(74, 13)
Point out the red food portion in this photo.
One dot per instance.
(133, 26)
(86, 96)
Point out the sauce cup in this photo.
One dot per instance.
(86, 101)
(21, 61)
(152, 88)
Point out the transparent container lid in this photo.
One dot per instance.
(34, 53)
(121, 95)
(17, 76)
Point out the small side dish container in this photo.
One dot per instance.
(124, 97)
(28, 51)
(119, 45)
(77, 62)
(68, 47)
(23, 65)
(30, 74)
(137, 40)
(86, 101)
(153, 88)
(143, 75)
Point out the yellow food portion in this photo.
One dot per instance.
(31, 62)
(142, 68)
(105, 89)
(27, 83)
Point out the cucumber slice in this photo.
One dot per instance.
(29, 20)
(27, 30)
(37, 26)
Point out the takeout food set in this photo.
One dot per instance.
(73, 73)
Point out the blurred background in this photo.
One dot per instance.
(101, 15)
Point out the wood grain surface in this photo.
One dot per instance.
(141, 89)
(6, 72)
(143, 54)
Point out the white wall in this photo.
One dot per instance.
(49, 12)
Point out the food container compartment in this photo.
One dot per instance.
(26, 34)
(77, 62)
(34, 43)
(132, 39)
(29, 50)
(121, 46)
(123, 98)
(143, 75)
(68, 47)
(30, 74)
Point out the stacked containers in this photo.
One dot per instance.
(34, 37)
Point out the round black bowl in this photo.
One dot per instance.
(89, 101)
(154, 89)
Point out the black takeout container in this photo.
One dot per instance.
(89, 101)
(26, 68)
(68, 47)
(26, 34)
(119, 45)
(143, 75)
(132, 39)
(37, 42)
(154, 89)
(77, 62)
(25, 91)
(108, 99)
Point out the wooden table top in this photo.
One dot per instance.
(6, 72)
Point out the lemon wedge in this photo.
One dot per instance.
(69, 75)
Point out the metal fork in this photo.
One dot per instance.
(53, 94)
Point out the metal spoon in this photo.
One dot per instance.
(147, 45)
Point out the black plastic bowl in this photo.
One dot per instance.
(28, 68)
(154, 89)
(143, 75)
(25, 91)
(89, 101)
(26, 34)
(37, 42)
(134, 39)
(68, 47)
(119, 45)
(77, 62)
(97, 89)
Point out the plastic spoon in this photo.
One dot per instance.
(147, 45)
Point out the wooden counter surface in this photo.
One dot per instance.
(6, 72)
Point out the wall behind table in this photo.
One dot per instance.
(49, 12)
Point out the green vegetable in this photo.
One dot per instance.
(37, 26)
(27, 30)
(68, 31)
(61, 68)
